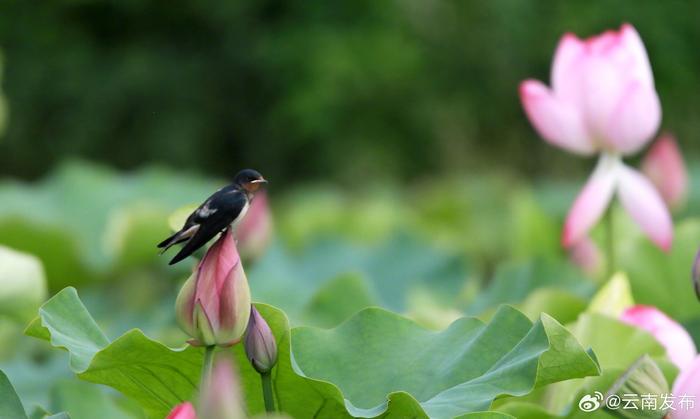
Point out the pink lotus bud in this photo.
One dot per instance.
(687, 387)
(260, 345)
(586, 255)
(221, 394)
(678, 343)
(213, 306)
(664, 165)
(183, 411)
(255, 230)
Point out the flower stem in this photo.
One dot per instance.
(207, 363)
(267, 392)
(610, 242)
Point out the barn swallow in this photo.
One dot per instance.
(226, 207)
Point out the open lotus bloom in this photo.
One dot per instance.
(687, 386)
(213, 306)
(678, 343)
(664, 165)
(183, 411)
(602, 101)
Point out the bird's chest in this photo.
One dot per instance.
(240, 216)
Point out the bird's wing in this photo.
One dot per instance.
(193, 220)
(222, 210)
(185, 232)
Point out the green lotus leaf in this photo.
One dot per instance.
(663, 279)
(337, 300)
(10, 405)
(65, 321)
(515, 282)
(377, 358)
(367, 366)
(614, 297)
(147, 371)
(392, 270)
(616, 345)
(85, 401)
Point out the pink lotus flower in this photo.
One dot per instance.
(255, 231)
(213, 306)
(602, 101)
(687, 385)
(678, 343)
(183, 411)
(664, 165)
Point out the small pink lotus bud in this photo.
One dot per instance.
(260, 345)
(687, 387)
(664, 165)
(213, 306)
(586, 255)
(255, 230)
(221, 394)
(678, 343)
(183, 411)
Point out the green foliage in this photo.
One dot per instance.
(130, 364)
(337, 300)
(22, 284)
(84, 401)
(616, 346)
(10, 405)
(432, 253)
(84, 220)
(67, 324)
(509, 355)
(3, 101)
(663, 279)
(361, 90)
(388, 272)
(614, 297)
(87, 223)
(459, 364)
(536, 284)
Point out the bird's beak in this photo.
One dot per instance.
(256, 181)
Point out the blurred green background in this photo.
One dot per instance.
(344, 91)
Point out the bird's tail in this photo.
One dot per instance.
(178, 237)
(165, 243)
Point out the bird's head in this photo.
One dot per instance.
(250, 180)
